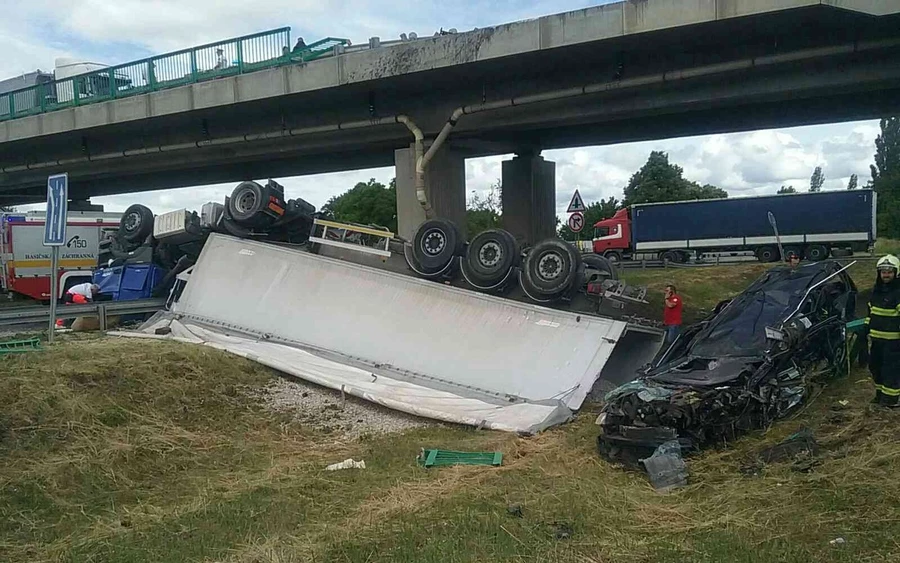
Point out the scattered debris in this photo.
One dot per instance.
(666, 468)
(20, 346)
(319, 409)
(838, 541)
(563, 531)
(843, 403)
(347, 464)
(431, 458)
(515, 510)
(163, 330)
(756, 358)
(797, 446)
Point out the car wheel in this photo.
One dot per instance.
(551, 267)
(136, 224)
(435, 243)
(817, 252)
(489, 258)
(767, 254)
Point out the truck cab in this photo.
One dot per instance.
(612, 237)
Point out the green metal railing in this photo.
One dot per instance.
(225, 58)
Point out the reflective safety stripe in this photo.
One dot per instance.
(878, 311)
(880, 334)
(888, 391)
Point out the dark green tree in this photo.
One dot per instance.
(484, 213)
(367, 203)
(886, 177)
(660, 181)
(853, 183)
(817, 180)
(786, 190)
(596, 211)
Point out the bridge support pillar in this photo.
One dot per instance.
(445, 186)
(529, 197)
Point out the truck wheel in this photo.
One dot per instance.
(613, 256)
(767, 254)
(598, 269)
(669, 255)
(435, 243)
(489, 258)
(817, 252)
(551, 267)
(683, 256)
(247, 199)
(136, 224)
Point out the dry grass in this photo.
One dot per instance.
(117, 453)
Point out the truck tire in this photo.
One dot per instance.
(489, 258)
(670, 256)
(817, 252)
(136, 224)
(767, 254)
(551, 267)
(598, 269)
(246, 201)
(435, 243)
(613, 256)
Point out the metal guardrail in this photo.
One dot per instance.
(101, 310)
(239, 55)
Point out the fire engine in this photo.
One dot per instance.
(25, 261)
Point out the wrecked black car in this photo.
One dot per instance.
(754, 359)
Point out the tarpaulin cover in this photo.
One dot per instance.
(459, 345)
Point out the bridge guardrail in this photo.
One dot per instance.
(239, 55)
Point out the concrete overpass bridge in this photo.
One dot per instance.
(633, 70)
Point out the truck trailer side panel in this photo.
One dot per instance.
(832, 216)
(507, 357)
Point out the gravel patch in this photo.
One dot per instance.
(322, 409)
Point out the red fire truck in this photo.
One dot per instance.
(25, 261)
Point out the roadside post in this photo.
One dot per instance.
(55, 235)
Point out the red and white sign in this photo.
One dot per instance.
(576, 222)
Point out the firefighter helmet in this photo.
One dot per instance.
(889, 262)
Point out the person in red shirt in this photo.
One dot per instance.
(672, 314)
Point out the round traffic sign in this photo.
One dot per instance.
(576, 222)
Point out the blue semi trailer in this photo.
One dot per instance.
(811, 224)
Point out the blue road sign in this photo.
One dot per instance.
(57, 209)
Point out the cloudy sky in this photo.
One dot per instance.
(34, 32)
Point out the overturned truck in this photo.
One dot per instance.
(510, 338)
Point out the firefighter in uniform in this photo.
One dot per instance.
(883, 328)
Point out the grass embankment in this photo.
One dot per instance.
(121, 451)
